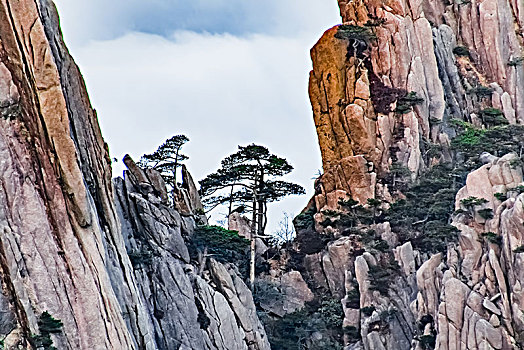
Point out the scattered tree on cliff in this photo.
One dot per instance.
(166, 160)
(248, 178)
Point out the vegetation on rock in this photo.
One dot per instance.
(481, 91)
(461, 51)
(406, 103)
(295, 330)
(249, 179)
(47, 325)
(223, 245)
(166, 160)
(516, 61)
(359, 34)
(423, 216)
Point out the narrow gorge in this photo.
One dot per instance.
(414, 238)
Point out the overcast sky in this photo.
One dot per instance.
(223, 72)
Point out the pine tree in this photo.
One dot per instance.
(166, 160)
(249, 179)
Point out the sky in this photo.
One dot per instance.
(222, 72)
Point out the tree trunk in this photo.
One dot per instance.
(230, 201)
(260, 207)
(174, 190)
(253, 242)
(176, 166)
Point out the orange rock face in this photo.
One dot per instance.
(354, 92)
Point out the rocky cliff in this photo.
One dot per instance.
(416, 225)
(414, 238)
(85, 263)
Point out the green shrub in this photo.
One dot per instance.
(140, 258)
(374, 21)
(492, 237)
(427, 341)
(461, 51)
(224, 245)
(424, 320)
(287, 332)
(353, 298)
(351, 32)
(481, 91)
(486, 213)
(47, 325)
(265, 292)
(519, 189)
(399, 176)
(294, 330)
(405, 104)
(382, 276)
(501, 196)
(516, 61)
(382, 95)
(433, 150)
(331, 312)
(436, 236)
(472, 201)
(519, 249)
(491, 111)
(516, 163)
(350, 214)
(387, 315)
(493, 117)
(372, 241)
(305, 219)
(368, 310)
(499, 140)
(469, 137)
(352, 334)
(423, 217)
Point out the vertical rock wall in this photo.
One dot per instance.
(52, 241)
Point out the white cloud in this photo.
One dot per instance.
(220, 90)
(104, 20)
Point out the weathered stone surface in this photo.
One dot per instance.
(238, 222)
(56, 191)
(470, 297)
(116, 275)
(171, 298)
(293, 294)
(120, 272)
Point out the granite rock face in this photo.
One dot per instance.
(390, 90)
(176, 304)
(110, 261)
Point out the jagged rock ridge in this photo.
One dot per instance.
(109, 261)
